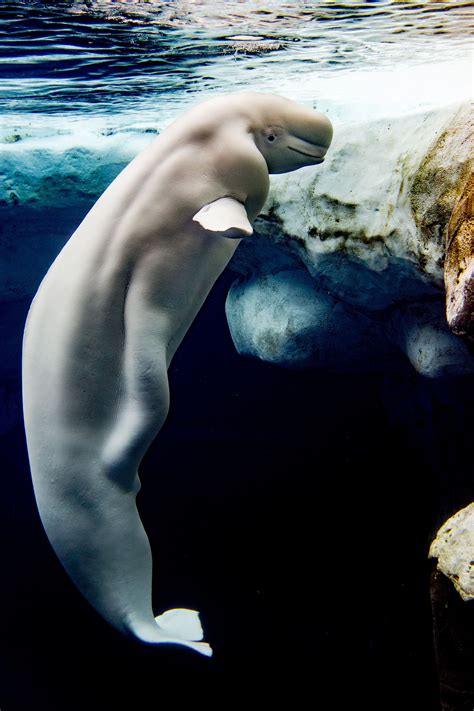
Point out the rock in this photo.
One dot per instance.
(459, 265)
(421, 331)
(312, 328)
(453, 622)
(454, 549)
(346, 268)
(453, 619)
(59, 173)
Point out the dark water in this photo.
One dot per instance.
(293, 509)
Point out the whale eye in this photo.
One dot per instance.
(271, 137)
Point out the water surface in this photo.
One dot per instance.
(141, 62)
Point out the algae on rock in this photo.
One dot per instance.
(454, 549)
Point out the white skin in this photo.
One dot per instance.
(108, 318)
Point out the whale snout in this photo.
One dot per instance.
(291, 136)
(313, 138)
(323, 130)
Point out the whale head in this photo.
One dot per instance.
(288, 135)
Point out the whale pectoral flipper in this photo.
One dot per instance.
(225, 215)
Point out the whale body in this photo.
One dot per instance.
(108, 318)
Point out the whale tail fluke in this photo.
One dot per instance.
(181, 626)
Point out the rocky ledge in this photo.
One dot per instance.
(453, 548)
(346, 269)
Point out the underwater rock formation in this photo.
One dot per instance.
(454, 549)
(459, 266)
(453, 619)
(347, 268)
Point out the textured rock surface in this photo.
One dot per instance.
(454, 549)
(347, 265)
(62, 170)
(459, 265)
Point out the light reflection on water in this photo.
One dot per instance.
(68, 57)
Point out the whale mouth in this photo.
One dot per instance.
(316, 158)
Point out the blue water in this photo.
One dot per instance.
(70, 57)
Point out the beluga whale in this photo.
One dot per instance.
(110, 314)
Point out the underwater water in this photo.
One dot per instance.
(293, 508)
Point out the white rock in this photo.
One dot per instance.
(454, 549)
(368, 228)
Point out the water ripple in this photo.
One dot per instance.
(68, 56)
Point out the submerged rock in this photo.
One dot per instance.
(346, 268)
(459, 266)
(454, 549)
